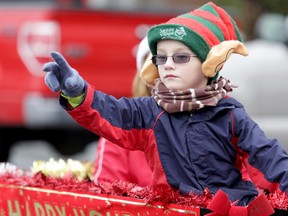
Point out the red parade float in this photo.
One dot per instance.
(42, 193)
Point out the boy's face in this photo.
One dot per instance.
(179, 76)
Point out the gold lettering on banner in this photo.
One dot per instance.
(11, 211)
(118, 213)
(49, 210)
(103, 206)
(61, 213)
(27, 209)
(76, 213)
(94, 213)
(39, 210)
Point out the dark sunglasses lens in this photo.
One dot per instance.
(181, 58)
(177, 58)
(159, 60)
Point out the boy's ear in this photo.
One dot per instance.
(219, 54)
(149, 72)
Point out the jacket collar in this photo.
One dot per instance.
(207, 113)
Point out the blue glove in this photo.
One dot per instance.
(61, 77)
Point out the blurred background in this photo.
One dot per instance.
(100, 38)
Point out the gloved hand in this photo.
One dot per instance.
(61, 77)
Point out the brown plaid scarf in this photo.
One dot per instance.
(191, 99)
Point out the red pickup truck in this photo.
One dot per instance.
(99, 43)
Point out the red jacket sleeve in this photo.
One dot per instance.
(116, 163)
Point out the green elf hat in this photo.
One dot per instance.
(201, 30)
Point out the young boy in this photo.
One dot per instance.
(194, 136)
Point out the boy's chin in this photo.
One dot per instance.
(174, 86)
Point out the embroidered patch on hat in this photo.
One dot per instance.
(173, 33)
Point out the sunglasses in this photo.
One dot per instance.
(178, 58)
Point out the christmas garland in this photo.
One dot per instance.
(59, 175)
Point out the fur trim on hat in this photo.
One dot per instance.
(142, 51)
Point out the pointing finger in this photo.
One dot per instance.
(61, 61)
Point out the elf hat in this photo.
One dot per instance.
(209, 31)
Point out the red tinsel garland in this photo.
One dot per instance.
(119, 188)
(116, 188)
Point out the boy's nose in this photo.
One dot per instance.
(170, 62)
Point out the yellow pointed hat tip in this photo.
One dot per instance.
(219, 54)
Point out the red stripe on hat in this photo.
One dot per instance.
(197, 27)
(216, 20)
(227, 21)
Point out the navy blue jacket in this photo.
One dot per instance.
(213, 148)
